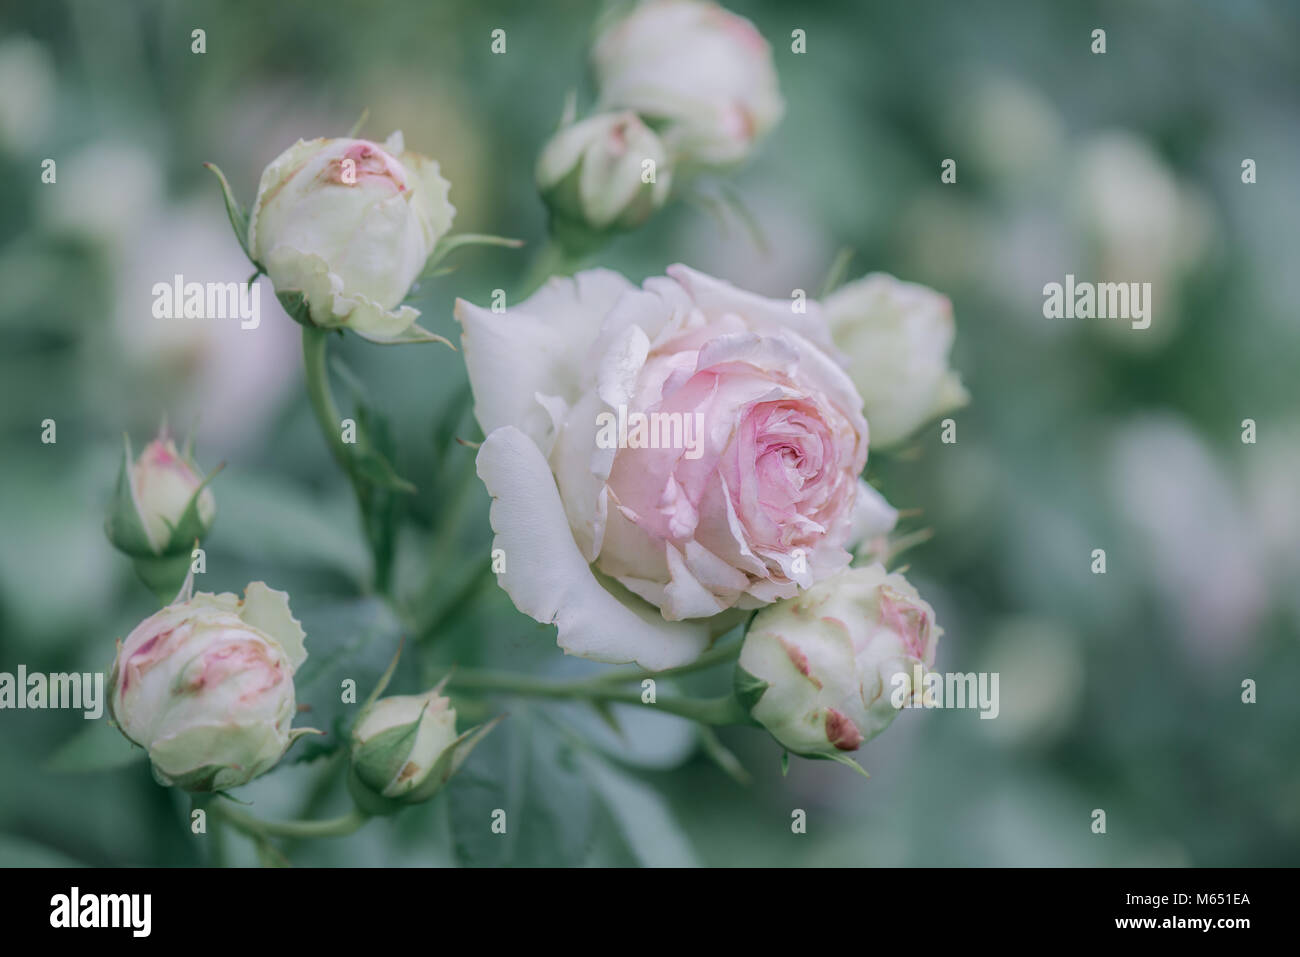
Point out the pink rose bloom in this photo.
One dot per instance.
(663, 459)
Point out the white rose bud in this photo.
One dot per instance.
(405, 748)
(161, 507)
(820, 671)
(206, 687)
(343, 227)
(703, 73)
(606, 173)
(897, 336)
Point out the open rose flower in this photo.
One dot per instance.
(702, 73)
(662, 459)
(343, 227)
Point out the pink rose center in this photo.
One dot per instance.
(364, 161)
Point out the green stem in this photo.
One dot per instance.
(723, 710)
(314, 353)
(257, 828)
(314, 343)
(550, 261)
(475, 581)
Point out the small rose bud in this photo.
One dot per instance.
(405, 748)
(821, 671)
(343, 227)
(592, 174)
(897, 336)
(161, 507)
(206, 687)
(702, 73)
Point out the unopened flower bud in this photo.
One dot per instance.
(702, 73)
(605, 173)
(206, 687)
(161, 507)
(405, 748)
(343, 227)
(897, 336)
(821, 671)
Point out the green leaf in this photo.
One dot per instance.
(639, 736)
(238, 218)
(349, 639)
(18, 851)
(642, 815)
(526, 769)
(97, 747)
(267, 519)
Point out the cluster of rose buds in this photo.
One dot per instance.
(682, 85)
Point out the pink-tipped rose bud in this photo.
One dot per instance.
(206, 687)
(343, 227)
(820, 671)
(161, 508)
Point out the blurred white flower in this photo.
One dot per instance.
(104, 193)
(30, 86)
(233, 380)
(1138, 223)
(1011, 131)
(1177, 499)
(703, 73)
(1041, 680)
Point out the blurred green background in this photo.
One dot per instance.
(1120, 692)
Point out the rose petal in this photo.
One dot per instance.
(547, 577)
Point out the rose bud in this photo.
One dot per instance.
(822, 671)
(343, 227)
(701, 73)
(897, 336)
(595, 175)
(161, 507)
(405, 748)
(206, 687)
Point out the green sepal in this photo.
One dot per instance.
(164, 575)
(123, 526)
(412, 334)
(190, 530)
(238, 218)
(840, 758)
(379, 760)
(448, 244)
(449, 762)
(749, 689)
(294, 302)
